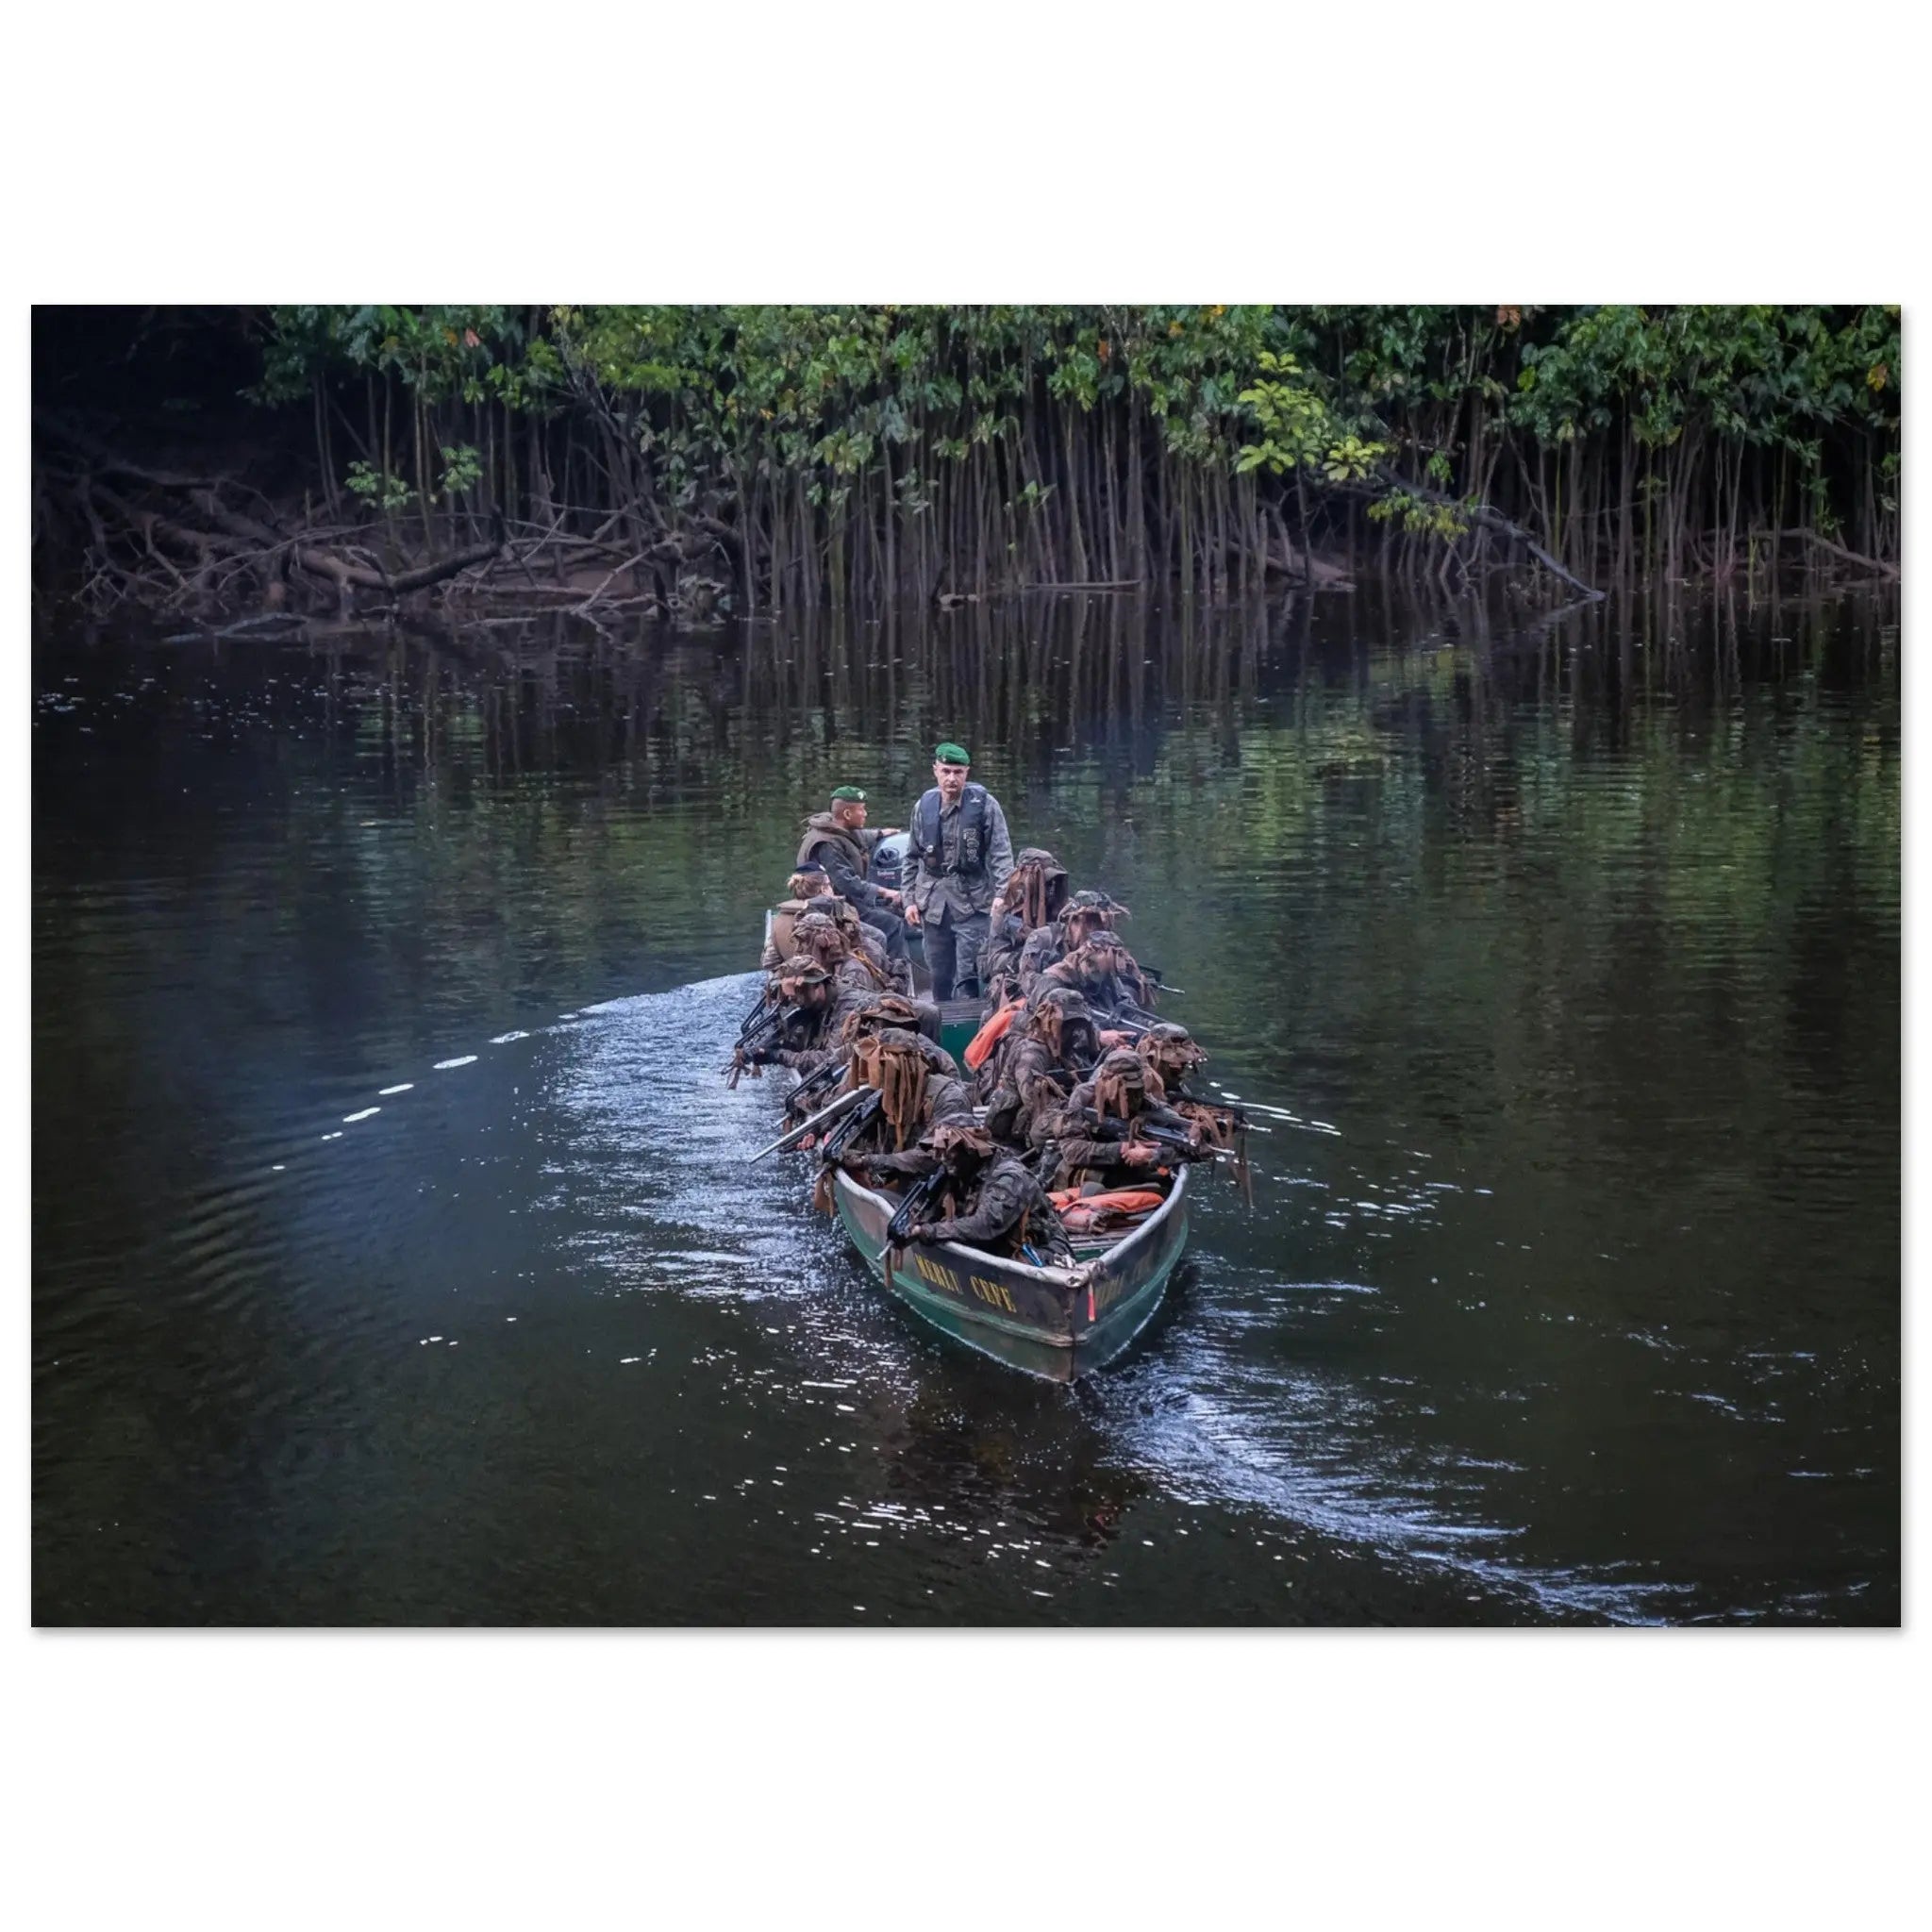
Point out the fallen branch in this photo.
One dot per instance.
(1096, 584)
(1483, 517)
(1853, 556)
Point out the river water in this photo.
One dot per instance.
(396, 1259)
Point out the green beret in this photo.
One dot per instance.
(849, 794)
(950, 754)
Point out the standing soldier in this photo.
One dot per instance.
(960, 857)
(839, 840)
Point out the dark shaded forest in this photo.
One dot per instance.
(259, 463)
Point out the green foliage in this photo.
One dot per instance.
(853, 407)
(1446, 521)
(1296, 426)
(379, 488)
(463, 469)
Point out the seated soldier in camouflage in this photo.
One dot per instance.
(1040, 1067)
(1172, 1053)
(913, 1094)
(995, 1204)
(1091, 1139)
(893, 973)
(885, 1009)
(1103, 972)
(882, 1013)
(819, 1012)
(808, 890)
(1084, 915)
(1029, 902)
(817, 936)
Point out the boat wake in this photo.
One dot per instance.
(627, 1166)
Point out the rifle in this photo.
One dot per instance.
(812, 1086)
(1232, 1122)
(922, 1197)
(1112, 1129)
(787, 1141)
(755, 1036)
(1153, 973)
(760, 1024)
(835, 1143)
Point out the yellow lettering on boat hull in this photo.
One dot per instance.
(938, 1274)
(993, 1292)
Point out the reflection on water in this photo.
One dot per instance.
(396, 1256)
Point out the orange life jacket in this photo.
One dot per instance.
(1089, 1213)
(990, 1033)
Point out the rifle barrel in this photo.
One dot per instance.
(845, 1104)
(841, 1137)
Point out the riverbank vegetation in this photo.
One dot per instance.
(698, 459)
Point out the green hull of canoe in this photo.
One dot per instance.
(1053, 1322)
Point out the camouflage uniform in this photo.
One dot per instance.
(943, 1097)
(1077, 1150)
(999, 959)
(817, 934)
(892, 972)
(989, 1206)
(1044, 947)
(814, 1036)
(1090, 973)
(1174, 1053)
(1034, 1076)
(895, 1009)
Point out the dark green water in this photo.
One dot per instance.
(1567, 958)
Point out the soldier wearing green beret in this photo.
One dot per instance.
(960, 857)
(839, 841)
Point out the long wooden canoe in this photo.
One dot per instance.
(1057, 1323)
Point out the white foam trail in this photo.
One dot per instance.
(443, 1066)
(349, 1120)
(403, 1089)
